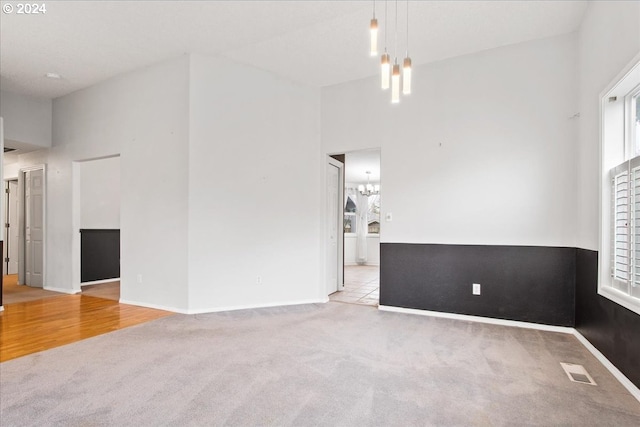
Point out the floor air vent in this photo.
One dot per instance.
(577, 373)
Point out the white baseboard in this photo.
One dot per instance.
(97, 282)
(228, 308)
(635, 391)
(155, 306)
(468, 318)
(62, 290)
(252, 306)
(351, 264)
(626, 383)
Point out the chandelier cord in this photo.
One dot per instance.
(396, 48)
(407, 28)
(385, 26)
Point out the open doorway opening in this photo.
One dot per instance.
(24, 233)
(96, 215)
(361, 228)
(24, 228)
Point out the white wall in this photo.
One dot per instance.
(26, 119)
(483, 152)
(209, 202)
(609, 38)
(10, 166)
(100, 193)
(254, 184)
(373, 249)
(145, 120)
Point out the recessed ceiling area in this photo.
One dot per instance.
(357, 163)
(317, 43)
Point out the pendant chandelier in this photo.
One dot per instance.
(369, 189)
(390, 74)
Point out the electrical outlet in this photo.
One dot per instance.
(389, 217)
(476, 289)
(139, 278)
(258, 280)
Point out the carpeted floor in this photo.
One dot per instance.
(325, 364)
(14, 293)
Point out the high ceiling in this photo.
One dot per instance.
(357, 163)
(318, 43)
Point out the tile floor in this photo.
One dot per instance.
(361, 285)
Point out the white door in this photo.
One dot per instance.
(12, 229)
(34, 223)
(333, 218)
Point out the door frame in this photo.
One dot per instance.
(21, 222)
(8, 220)
(340, 237)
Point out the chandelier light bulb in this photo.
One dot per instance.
(395, 84)
(374, 37)
(406, 76)
(386, 70)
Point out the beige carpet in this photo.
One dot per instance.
(328, 364)
(14, 293)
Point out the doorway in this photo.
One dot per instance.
(335, 243)
(360, 217)
(33, 237)
(96, 217)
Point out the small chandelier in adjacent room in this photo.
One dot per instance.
(390, 74)
(369, 189)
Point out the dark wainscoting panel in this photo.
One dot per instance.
(525, 283)
(611, 328)
(99, 254)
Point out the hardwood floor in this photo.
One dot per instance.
(33, 326)
(109, 290)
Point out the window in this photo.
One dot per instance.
(373, 214)
(625, 215)
(350, 208)
(351, 212)
(619, 275)
(635, 103)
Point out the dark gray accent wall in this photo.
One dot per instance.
(524, 283)
(99, 254)
(611, 328)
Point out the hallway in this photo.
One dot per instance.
(361, 285)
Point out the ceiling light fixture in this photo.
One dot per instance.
(395, 83)
(395, 75)
(385, 59)
(390, 76)
(369, 189)
(406, 65)
(53, 76)
(373, 27)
